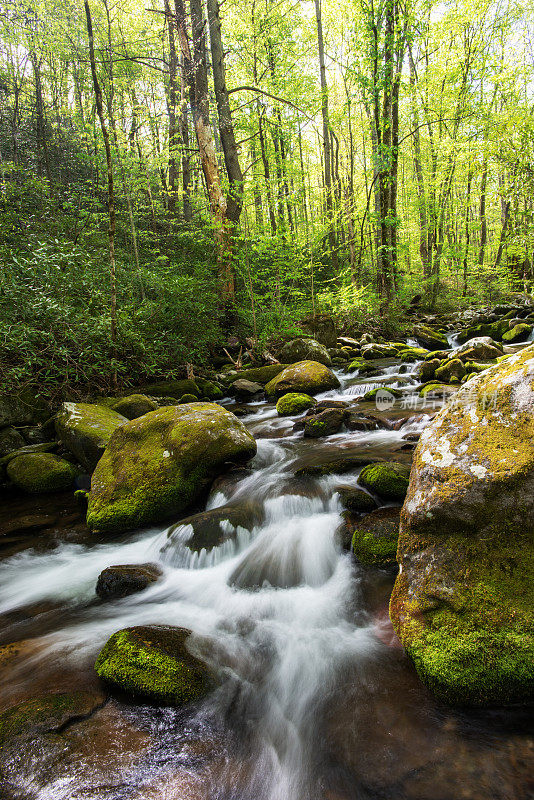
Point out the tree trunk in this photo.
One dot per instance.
(111, 196)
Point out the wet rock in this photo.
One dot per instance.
(482, 348)
(293, 403)
(329, 464)
(261, 374)
(157, 465)
(374, 350)
(372, 393)
(463, 604)
(325, 423)
(374, 540)
(355, 499)
(430, 338)
(28, 523)
(212, 528)
(134, 406)
(306, 377)
(356, 421)
(41, 472)
(451, 372)
(125, 579)
(305, 350)
(427, 370)
(155, 661)
(245, 388)
(322, 404)
(388, 480)
(85, 429)
(10, 440)
(519, 333)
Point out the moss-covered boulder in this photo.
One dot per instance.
(427, 337)
(186, 398)
(134, 406)
(41, 472)
(305, 350)
(388, 480)
(209, 389)
(413, 353)
(374, 350)
(157, 465)
(305, 377)
(372, 393)
(355, 499)
(154, 661)
(463, 603)
(85, 429)
(324, 423)
(427, 370)
(483, 348)
(451, 371)
(294, 403)
(259, 374)
(433, 388)
(519, 333)
(375, 538)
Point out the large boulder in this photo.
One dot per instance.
(427, 337)
(305, 349)
(159, 464)
(482, 348)
(85, 429)
(134, 406)
(307, 377)
(463, 601)
(154, 661)
(41, 472)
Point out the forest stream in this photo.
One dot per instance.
(318, 701)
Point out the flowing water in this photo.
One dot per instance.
(318, 700)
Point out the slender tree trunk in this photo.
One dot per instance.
(111, 196)
(326, 139)
(467, 233)
(171, 110)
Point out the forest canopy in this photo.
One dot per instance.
(174, 170)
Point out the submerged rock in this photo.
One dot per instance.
(294, 403)
(355, 499)
(389, 480)
(324, 423)
(211, 528)
(374, 541)
(159, 464)
(154, 661)
(41, 472)
(125, 579)
(307, 377)
(85, 429)
(305, 350)
(134, 406)
(463, 602)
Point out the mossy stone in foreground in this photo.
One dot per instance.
(41, 472)
(294, 403)
(388, 480)
(305, 377)
(463, 602)
(374, 541)
(154, 661)
(86, 428)
(157, 465)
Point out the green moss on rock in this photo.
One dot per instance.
(374, 541)
(41, 472)
(463, 603)
(157, 465)
(305, 377)
(86, 428)
(154, 662)
(134, 406)
(294, 403)
(388, 479)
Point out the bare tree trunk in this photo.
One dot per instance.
(326, 139)
(111, 196)
(171, 110)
